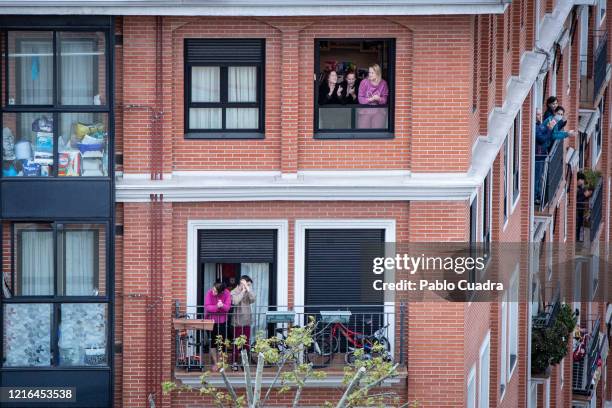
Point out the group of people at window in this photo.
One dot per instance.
(372, 90)
(232, 308)
(550, 127)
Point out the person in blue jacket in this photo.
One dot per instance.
(546, 133)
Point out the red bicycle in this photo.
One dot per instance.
(327, 342)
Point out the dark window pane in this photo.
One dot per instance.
(30, 68)
(34, 259)
(83, 145)
(81, 252)
(27, 141)
(82, 68)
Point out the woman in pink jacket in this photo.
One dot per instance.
(373, 91)
(217, 304)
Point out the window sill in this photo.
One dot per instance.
(354, 135)
(224, 135)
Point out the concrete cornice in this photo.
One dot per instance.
(251, 8)
(308, 186)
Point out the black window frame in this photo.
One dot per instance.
(224, 133)
(56, 301)
(56, 109)
(354, 133)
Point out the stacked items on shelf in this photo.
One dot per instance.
(29, 158)
(85, 154)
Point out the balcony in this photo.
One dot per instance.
(587, 370)
(592, 84)
(589, 213)
(547, 317)
(550, 175)
(338, 332)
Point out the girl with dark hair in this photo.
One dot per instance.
(217, 304)
(330, 91)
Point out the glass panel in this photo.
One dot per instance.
(205, 118)
(27, 335)
(82, 68)
(34, 259)
(242, 84)
(82, 260)
(83, 145)
(335, 118)
(82, 334)
(30, 67)
(371, 118)
(242, 118)
(27, 142)
(205, 84)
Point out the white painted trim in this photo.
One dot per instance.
(377, 185)
(299, 283)
(250, 8)
(282, 253)
(471, 378)
(485, 343)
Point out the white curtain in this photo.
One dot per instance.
(35, 85)
(242, 87)
(35, 72)
(205, 84)
(80, 263)
(37, 262)
(77, 76)
(260, 274)
(205, 118)
(242, 118)
(242, 84)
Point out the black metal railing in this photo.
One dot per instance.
(552, 173)
(338, 332)
(585, 368)
(547, 317)
(595, 204)
(600, 61)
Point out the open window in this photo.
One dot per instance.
(354, 88)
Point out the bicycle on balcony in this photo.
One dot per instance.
(337, 337)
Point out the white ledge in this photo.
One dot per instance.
(252, 8)
(392, 185)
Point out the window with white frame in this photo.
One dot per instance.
(516, 157)
(598, 133)
(513, 323)
(584, 40)
(484, 374)
(506, 177)
(601, 14)
(503, 345)
(471, 388)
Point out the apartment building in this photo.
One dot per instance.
(151, 148)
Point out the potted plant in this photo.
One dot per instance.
(550, 344)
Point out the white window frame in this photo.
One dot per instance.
(601, 6)
(513, 322)
(596, 152)
(503, 379)
(471, 388)
(506, 182)
(488, 193)
(516, 138)
(584, 39)
(282, 253)
(533, 395)
(484, 372)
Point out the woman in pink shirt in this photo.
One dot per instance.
(217, 304)
(373, 91)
